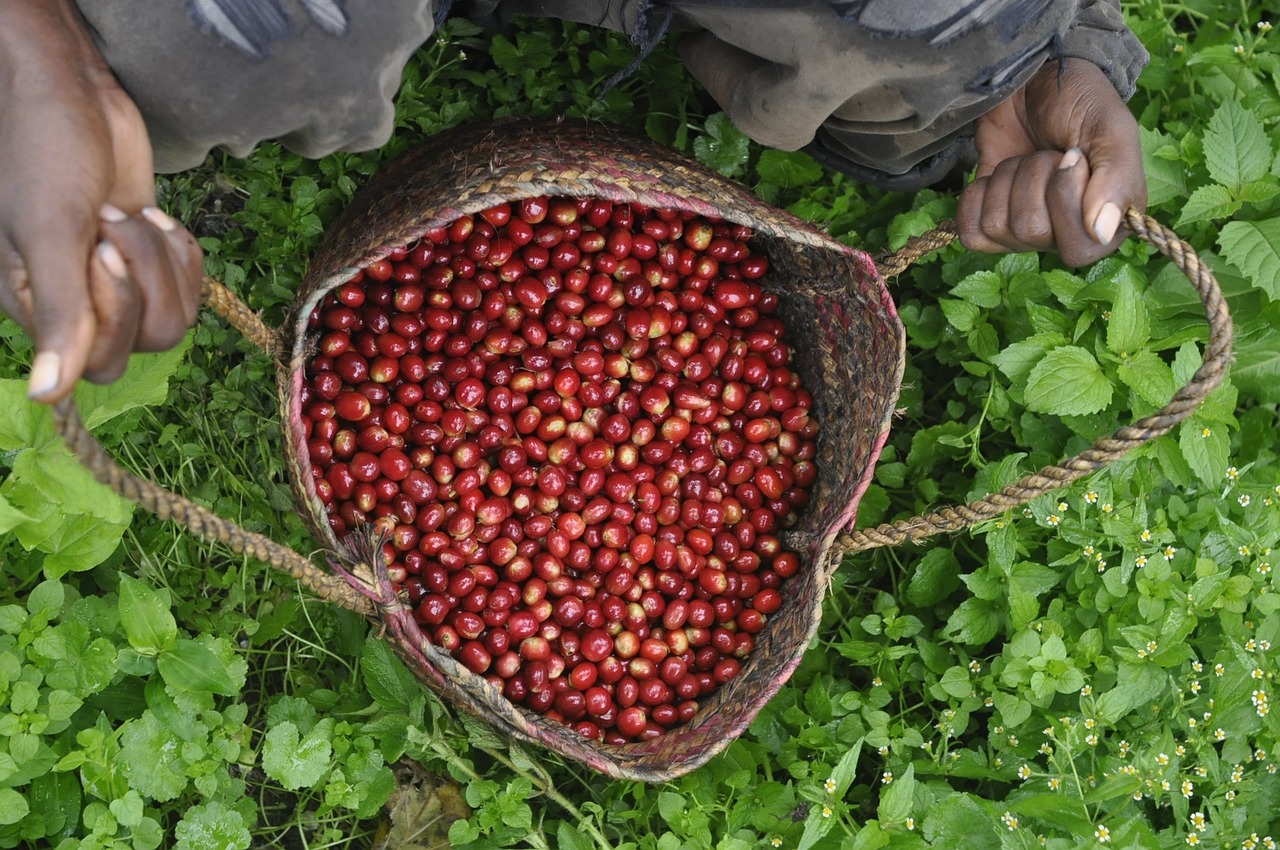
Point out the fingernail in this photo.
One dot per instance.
(111, 257)
(1070, 158)
(45, 371)
(112, 213)
(1105, 225)
(159, 218)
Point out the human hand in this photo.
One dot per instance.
(88, 265)
(1058, 163)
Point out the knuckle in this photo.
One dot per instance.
(107, 371)
(1032, 229)
(163, 333)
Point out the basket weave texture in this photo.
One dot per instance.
(848, 347)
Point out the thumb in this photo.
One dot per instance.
(1117, 180)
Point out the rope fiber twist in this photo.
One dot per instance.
(1217, 357)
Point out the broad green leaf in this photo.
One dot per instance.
(722, 147)
(961, 315)
(1017, 359)
(1166, 178)
(895, 801)
(293, 761)
(671, 806)
(303, 190)
(128, 809)
(959, 822)
(212, 826)
(1065, 286)
(1254, 248)
(193, 666)
(1068, 380)
(872, 836)
(532, 51)
(295, 710)
(1057, 809)
(934, 578)
(144, 383)
(1257, 368)
(1236, 149)
(1129, 326)
(385, 676)
(13, 806)
(151, 758)
(46, 599)
(25, 424)
(982, 289)
(1206, 447)
(1260, 190)
(81, 543)
(569, 838)
(816, 828)
(973, 623)
(1148, 376)
(56, 796)
(145, 615)
(846, 769)
(788, 168)
(1207, 203)
(10, 517)
(52, 481)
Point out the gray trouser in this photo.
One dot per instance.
(875, 87)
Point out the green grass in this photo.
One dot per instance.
(1041, 678)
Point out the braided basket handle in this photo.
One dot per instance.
(1217, 356)
(200, 520)
(240, 316)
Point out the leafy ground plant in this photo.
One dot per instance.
(1098, 670)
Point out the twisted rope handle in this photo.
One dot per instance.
(228, 305)
(1217, 356)
(200, 520)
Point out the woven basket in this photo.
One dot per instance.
(849, 350)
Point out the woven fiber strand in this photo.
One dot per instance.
(849, 350)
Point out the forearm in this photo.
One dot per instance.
(1099, 35)
(881, 91)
